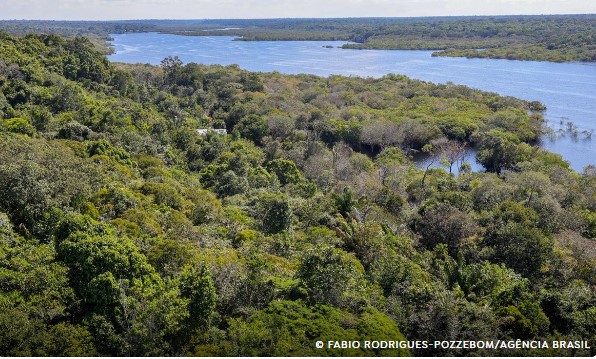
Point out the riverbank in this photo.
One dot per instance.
(566, 89)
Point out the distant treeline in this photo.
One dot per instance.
(544, 38)
(74, 28)
(557, 38)
(97, 31)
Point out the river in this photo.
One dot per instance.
(567, 89)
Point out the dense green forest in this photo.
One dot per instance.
(557, 38)
(124, 231)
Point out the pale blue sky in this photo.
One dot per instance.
(205, 9)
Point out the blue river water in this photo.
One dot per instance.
(567, 89)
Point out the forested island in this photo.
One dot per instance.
(556, 38)
(128, 228)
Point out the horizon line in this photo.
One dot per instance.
(305, 18)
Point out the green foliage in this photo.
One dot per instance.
(443, 223)
(344, 201)
(74, 130)
(18, 125)
(125, 232)
(288, 328)
(163, 194)
(207, 207)
(168, 256)
(374, 325)
(103, 147)
(524, 249)
(36, 176)
(501, 150)
(252, 127)
(590, 228)
(285, 170)
(517, 122)
(389, 201)
(533, 323)
(275, 213)
(107, 256)
(36, 293)
(196, 285)
(334, 277)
